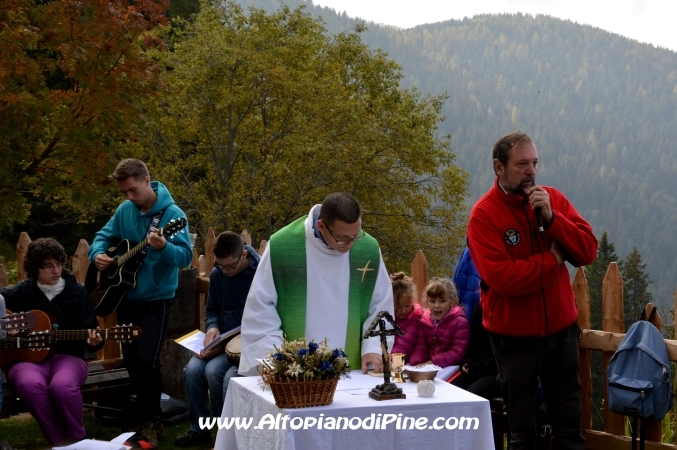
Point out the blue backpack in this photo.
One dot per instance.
(639, 376)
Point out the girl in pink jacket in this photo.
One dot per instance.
(444, 333)
(407, 314)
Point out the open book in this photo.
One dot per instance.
(193, 340)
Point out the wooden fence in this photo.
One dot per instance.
(605, 340)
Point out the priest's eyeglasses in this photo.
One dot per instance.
(228, 266)
(345, 240)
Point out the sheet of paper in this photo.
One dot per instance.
(122, 438)
(91, 444)
(192, 341)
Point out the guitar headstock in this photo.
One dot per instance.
(18, 321)
(124, 333)
(173, 227)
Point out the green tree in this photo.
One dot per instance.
(635, 287)
(72, 75)
(266, 114)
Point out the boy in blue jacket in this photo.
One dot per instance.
(149, 206)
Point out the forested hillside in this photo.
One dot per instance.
(601, 108)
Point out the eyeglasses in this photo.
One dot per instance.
(345, 240)
(52, 266)
(228, 266)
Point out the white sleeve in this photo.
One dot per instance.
(260, 320)
(381, 300)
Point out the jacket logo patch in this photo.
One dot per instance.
(511, 237)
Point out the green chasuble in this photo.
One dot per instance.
(288, 262)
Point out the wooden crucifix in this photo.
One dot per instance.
(388, 390)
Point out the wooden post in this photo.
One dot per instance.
(612, 310)
(3, 277)
(419, 275)
(21, 249)
(209, 250)
(246, 237)
(195, 262)
(654, 430)
(201, 266)
(80, 262)
(582, 296)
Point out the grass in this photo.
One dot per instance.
(22, 432)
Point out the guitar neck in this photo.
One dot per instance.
(133, 252)
(137, 248)
(76, 335)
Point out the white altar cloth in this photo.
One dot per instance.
(464, 419)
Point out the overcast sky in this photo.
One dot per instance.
(651, 21)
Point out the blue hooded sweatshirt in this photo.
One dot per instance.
(157, 278)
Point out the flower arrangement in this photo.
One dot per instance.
(296, 361)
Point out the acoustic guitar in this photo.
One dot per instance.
(108, 287)
(46, 324)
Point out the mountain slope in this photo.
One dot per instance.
(601, 108)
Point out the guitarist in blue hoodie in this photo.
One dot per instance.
(148, 208)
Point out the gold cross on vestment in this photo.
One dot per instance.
(365, 269)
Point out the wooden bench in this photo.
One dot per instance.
(101, 388)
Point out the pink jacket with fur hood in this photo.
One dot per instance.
(445, 345)
(410, 325)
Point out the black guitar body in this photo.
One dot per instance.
(108, 287)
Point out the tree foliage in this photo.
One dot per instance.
(635, 287)
(72, 74)
(266, 114)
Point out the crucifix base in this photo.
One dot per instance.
(380, 397)
(386, 391)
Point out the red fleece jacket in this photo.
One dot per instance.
(524, 292)
(445, 345)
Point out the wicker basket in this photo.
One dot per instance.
(302, 394)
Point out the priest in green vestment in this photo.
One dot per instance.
(320, 277)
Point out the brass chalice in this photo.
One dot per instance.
(398, 364)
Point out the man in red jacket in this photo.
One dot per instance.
(527, 300)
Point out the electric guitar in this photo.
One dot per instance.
(46, 326)
(108, 287)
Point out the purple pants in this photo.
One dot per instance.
(50, 390)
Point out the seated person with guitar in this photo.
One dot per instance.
(229, 283)
(50, 389)
(147, 281)
(4, 445)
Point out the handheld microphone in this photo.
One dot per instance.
(539, 221)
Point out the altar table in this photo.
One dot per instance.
(463, 420)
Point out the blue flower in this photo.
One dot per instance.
(312, 347)
(279, 356)
(337, 353)
(326, 366)
(303, 352)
